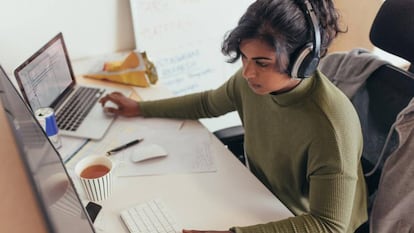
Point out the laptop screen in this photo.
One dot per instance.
(46, 75)
(62, 207)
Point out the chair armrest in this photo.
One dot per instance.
(230, 135)
(233, 138)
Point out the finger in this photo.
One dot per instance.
(104, 99)
(113, 97)
(111, 110)
(116, 94)
(117, 97)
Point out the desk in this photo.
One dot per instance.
(231, 196)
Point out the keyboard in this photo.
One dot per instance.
(148, 217)
(71, 115)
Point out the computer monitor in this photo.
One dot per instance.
(58, 201)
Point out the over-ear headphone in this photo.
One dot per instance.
(304, 62)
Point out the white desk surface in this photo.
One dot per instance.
(231, 196)
(217, 200)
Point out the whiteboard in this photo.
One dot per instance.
(183, 38)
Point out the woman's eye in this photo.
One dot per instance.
(261, 64)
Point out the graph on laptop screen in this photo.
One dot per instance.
(61, 205)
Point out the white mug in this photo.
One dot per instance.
(96, 175)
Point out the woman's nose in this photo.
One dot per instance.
(248, 70)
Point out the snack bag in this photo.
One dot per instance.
(135, 69)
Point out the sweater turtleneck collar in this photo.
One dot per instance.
(298, 93)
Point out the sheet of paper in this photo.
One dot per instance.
(186, 142)
(70, 145)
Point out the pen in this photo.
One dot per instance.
(129, 144)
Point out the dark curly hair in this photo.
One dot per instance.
(282, 24)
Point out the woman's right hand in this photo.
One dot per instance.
(126, 106)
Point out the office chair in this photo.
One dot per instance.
(233, 138)
(386, 92)
(389, 88)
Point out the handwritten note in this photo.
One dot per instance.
(183, 38)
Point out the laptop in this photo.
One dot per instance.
(46, 79)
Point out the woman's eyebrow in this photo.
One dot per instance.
(256, 58)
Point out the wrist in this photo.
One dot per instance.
(138, 109)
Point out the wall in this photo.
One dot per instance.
(357, 17)
(90, 27)
(96, 27)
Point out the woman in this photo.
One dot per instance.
(302, 135)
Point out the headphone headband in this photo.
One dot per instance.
(306, 59)
(311, 17)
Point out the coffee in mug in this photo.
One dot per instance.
(95, 174)
(94, 171)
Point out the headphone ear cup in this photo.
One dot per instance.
(305, 63)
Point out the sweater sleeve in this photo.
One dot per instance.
(331, 199)
(205, 104)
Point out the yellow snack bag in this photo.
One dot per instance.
(135, 69)
(130, 62)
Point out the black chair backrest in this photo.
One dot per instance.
(393, 29)
(387, 91)
(389, 88)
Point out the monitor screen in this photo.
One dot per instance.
(57, 197)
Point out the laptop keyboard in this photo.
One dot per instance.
(70, 116)
(150, 216)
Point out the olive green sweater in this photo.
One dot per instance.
(304, 145)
